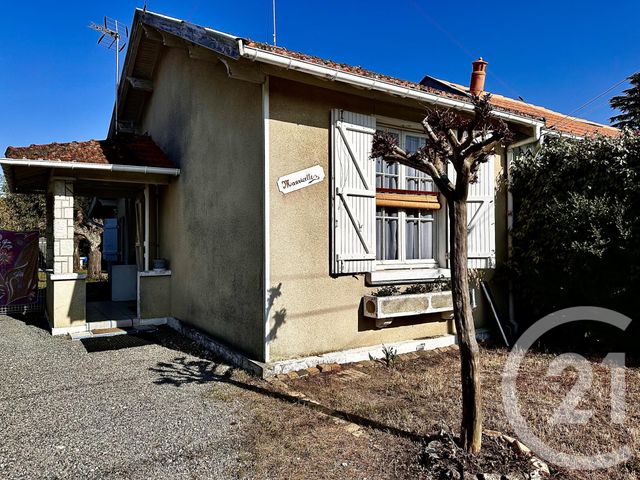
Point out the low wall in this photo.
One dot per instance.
(154, 294)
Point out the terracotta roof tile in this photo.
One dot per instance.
(124, 149)
(554, 120)
(356, 70)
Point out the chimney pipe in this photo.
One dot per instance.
(477, 76)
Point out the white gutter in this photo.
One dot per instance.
(368, 83)
(554, 133)
(25, 162)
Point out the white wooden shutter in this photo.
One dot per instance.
(353, 193)
(481, 217)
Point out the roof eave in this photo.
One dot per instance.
(104, 167)
(275, 59)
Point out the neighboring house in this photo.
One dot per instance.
(263, 266)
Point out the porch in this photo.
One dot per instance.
(130, 171)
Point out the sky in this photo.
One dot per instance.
(57, 84)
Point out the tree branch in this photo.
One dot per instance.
(453, 138)
(438, 142)
(491, 140)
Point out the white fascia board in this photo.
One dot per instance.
(25, 162)
(368, 83)
(179, 21)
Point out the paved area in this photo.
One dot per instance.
(101, 311)
(123, 407)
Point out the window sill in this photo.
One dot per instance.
(406, 275)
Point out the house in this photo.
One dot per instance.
(247, 167)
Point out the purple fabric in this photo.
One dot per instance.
(19, 254)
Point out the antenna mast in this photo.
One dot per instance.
(273, 6)
(114, 35)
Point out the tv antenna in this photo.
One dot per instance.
(273, 8)
(114, 35)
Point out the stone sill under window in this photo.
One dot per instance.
(396, 276)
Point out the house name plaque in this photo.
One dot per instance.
(303, 178)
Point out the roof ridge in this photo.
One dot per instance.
(573, 125)
(524, 102)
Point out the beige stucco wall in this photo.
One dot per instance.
(154, 293)
(211, 228)
(313, 312)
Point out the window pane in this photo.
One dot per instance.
(426, 185)
(386, 234)
(412, 143)
(386, 174)
(426, 239)
(391, 168)
(392, 239)
(412, 239)
(379, 239)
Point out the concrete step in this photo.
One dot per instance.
(111, 332)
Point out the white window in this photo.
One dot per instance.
(405, 236)
(376, 228)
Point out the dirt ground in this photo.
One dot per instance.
(398, 407)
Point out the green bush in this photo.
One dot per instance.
(576, 233)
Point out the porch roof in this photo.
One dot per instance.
(125, 157)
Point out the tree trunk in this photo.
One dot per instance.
(76, 253)
(94, 265)
(471, 428)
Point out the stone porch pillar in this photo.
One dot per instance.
(66, 290)
(49, 232)
(62, 226)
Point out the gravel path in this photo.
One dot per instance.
(74, 410)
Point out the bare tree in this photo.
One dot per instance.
(91, 230)
(465, 143)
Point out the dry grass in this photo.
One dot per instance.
(422, 396)
(288, 440)
(296, 442)
(397, 407)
